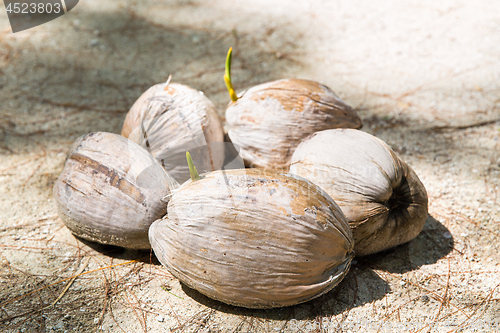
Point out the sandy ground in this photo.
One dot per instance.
(423, 75)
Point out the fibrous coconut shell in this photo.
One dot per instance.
(254, 238)
(382, 197)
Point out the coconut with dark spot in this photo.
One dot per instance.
(170, 119)
(254, 238)
(111, 190)
(382, 197)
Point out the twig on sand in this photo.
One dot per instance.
(70, 282)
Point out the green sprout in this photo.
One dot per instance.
(192, 169)
(227, 76)
(167, 289)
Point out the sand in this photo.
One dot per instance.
(423, 75)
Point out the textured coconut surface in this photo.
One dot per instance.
(269, 120)
(192, 124)
(111, 190)
(254, 238)
(424, 76)
(383, 199)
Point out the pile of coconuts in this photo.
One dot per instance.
(312, 190)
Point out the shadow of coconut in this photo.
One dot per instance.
(432, 244)
(359, 287)
(117, 252)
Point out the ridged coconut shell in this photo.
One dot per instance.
(270, 120)
(111, 190)
(254, 238)
(168, 120)
(382, 197)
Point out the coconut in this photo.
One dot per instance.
(170, 119)
(111, 190)
(382, 197)
(269, 120)
(254, 238)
